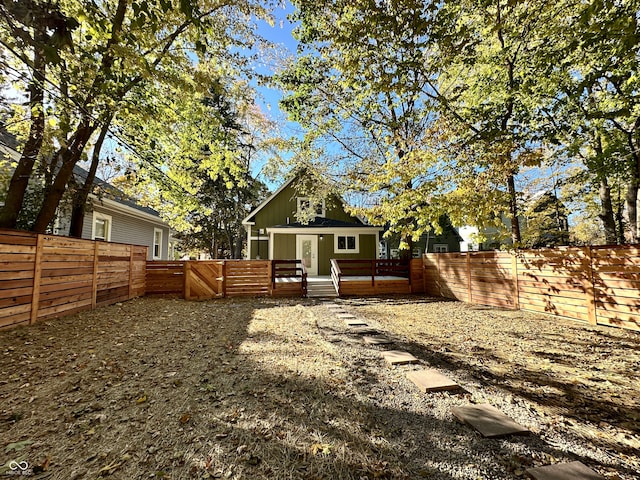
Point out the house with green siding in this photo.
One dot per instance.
(274, 231)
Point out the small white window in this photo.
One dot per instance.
(303, 204)
(440, 248)
(101, 227)
(346, 244)
(157, 243)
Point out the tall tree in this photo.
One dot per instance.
(34, 32)
(359, 85)
(120, 49)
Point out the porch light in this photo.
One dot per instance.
(321, 237)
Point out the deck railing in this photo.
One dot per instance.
(373, 268)
(289, 269)
(336, 273)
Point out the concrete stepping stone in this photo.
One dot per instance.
(333, 306)
(376, 340)
(354, 322)
(564, 471)
(398, 357)
(364, 330)
(431, 381)
(345, 315)
(488, 420)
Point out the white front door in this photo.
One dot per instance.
(307, 251)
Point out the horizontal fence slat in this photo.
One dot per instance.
(596, 284)
(65, 275)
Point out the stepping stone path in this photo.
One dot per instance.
(564, 471)
(362, 330)
(488, 420)
(354, 322)
(432, 381)
(398, 357)
(376, 340)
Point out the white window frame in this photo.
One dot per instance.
(300, 200)
(108, 224)
(346, 250)
(440, 248)
(153, 252)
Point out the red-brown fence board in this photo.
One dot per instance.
(204, 280)
(46, 276)
(599, 285)
(417, 275)
(165, 277)
(247, 277)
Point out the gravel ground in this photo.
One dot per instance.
(282, 389)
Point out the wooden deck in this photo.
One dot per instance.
(371, 277)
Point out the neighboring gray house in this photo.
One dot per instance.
(110, 215)
(429, 242)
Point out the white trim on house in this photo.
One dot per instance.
(364, 230)
(307, 200)
(270, 245)
(157, 231)
(108, 222)
(248, 244)
(356, 249)
(263, 204)
(126, 209)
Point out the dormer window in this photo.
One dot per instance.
(303, 206)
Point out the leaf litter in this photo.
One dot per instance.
(265, 388)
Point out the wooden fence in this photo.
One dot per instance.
(598, 285)
(165, 277)
(45, 276)
(205, 279)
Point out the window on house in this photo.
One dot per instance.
(303, 204)
(101, 227)
(346, 244)
(157, 243)
(441, 248)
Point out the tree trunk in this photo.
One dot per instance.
(635, 226)
(513, 210)
(80, 198)
(632, 210)
(70, 155)
(606, 212)
(20, 179)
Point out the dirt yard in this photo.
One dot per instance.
(281, 389)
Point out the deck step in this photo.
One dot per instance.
(322, 288)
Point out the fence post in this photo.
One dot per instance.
(469, 296)
(130, 272)
(186, 268)
(438, 275)
(224, 278)
(37, 275)
(514, 273)
(589, 287)
(94, 279)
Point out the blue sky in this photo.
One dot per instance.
(279, 34)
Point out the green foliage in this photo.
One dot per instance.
(197, 158)
(111, 57)
(426, 108)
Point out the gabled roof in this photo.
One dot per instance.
(247, 221)
(101, 189)
(320, 222)
(104, 189)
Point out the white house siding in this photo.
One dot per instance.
(128, 229)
